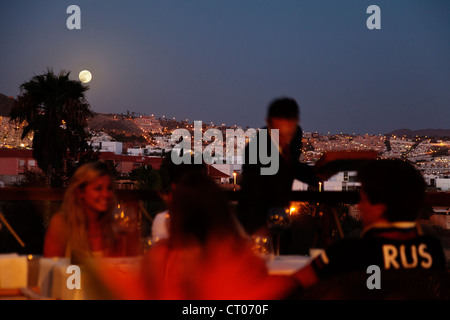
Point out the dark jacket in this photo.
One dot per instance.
(261, 192)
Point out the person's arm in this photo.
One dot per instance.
(338, 258)
(55, 241)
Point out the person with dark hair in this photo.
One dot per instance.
(396, 184)
(171, 174)
(259, 193)
(205, 256)
(392, 195)
(200, 211)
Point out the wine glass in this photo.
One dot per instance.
(262, 246)
(146, 244)
(124, 223)
(278, 220)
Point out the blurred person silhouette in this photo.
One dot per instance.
(205, 255)
(392, 195)
(170, 175)
(260, 193)
(84, 227)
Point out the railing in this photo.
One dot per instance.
(433, 198)
(57, 194)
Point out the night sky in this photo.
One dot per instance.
(223, 61)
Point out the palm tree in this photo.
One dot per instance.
(55, 109)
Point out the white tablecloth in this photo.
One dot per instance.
(51, 276)
(287, 264)
(52, 279)
(13, 271)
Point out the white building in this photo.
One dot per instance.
(108, 146)
(155, 151)
(228, 169)
(443, 184)
(343, 181)
(136, 151)
(100, 137)
(430, 179)
(299, 186)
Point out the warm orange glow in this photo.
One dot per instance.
(293, 210)
(218, 271)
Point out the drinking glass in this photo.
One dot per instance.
(278, 221)
(262, 246)
(124, 223)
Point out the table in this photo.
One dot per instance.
(38, 278)
(286, 264)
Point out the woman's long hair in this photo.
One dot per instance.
(76, 219)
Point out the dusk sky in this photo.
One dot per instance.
(223, 61)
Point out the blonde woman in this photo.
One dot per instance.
(83, 227)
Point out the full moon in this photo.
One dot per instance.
(85, 76)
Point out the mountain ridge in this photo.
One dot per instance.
(421, 132)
